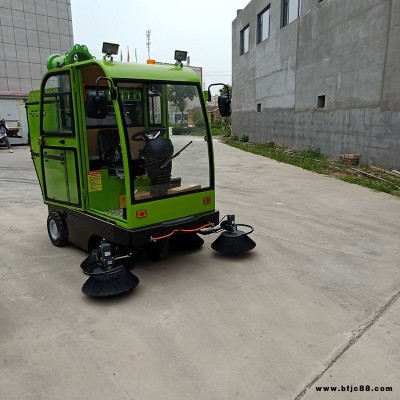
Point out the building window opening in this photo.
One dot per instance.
(259, 107)
(244, 40)
(291, 9)
(263, 22)
(321, 102)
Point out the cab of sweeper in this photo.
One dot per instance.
(111, 138)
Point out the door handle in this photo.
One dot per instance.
(62, 141)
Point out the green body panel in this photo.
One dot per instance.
(108, 197)
(33, 113)
(170, 208)
(60, 178)
(55, 173)
(72, 176)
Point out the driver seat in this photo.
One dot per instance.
(159, 151)
(110, 153)
(109, 149)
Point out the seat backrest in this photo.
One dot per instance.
(161, 150)
(109, 148)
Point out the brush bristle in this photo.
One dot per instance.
(89, 260)
(110, 284)
(233, 243)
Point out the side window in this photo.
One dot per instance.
(245, 40)
(291, 9)
(57, 105)
(132, 104)
(263, 21)
(154, 104)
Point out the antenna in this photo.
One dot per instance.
(148, 43)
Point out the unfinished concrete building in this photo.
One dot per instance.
(319, 74)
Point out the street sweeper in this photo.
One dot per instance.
(115, 178)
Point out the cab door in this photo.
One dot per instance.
(58, 141)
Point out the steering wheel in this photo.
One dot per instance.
(145, 134)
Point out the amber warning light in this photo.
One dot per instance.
(141, 214)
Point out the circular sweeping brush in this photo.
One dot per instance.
(233, 241)
(103, 283)
(105, 277)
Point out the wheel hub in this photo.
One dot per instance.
(53, 230)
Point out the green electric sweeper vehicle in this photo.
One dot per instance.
(115, 179)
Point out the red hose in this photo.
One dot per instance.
(181, 230)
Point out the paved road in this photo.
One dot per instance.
(315, 304)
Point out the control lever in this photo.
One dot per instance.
(175, 155)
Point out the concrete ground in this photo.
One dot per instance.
(315, 305)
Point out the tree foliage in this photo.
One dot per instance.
(197, 117)
(223, 90)
(179, 95)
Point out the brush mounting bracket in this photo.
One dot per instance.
(100, 271)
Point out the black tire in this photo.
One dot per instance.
(158, 251)
(57, 229)
(186, 241)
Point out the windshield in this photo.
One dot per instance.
(166, 132)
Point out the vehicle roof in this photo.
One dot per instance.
(125, 70)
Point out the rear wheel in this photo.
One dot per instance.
(57, 229)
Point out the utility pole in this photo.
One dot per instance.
(148, 43)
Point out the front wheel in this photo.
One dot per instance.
(57, 229)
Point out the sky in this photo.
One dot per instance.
(202, 28)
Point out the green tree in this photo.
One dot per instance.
(223, 90)
(197, 117)
(179, 95)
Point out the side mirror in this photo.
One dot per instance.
(224, 105)
(96, 104)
